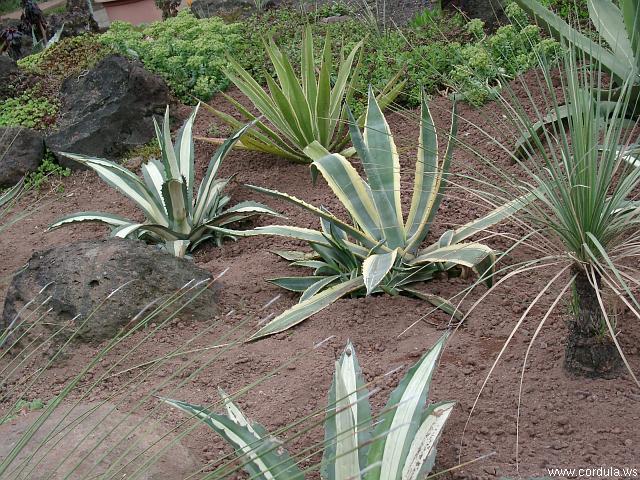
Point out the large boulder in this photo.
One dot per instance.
(21, 152)
(108, 111)
(80, 276)
(87, 440)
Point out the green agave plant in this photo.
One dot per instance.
(176, 218)
(618, 26)
(402, 445)
(299, 111)
(380, 251)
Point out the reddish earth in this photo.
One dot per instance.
(564, 421)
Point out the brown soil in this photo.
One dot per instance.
(565, 421)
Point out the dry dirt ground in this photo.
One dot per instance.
(564, 421)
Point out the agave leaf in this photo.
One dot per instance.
(364, 238)
(293, 255)
(430, 178)
(11, 193)
(110, 219)
(207, 191)
(323, 100)
(344, 461)
(422, 454)
(353, 192)
(351, 400)
(318, 286)
(555, 25)
(397, 427)
(174, 193)
(295, 284)
(185, 151)
(437, 301)
(495, 216)
(260, 457)
(309, 307)
(341, 86)
(376, 267)
(124, 181)
(382, 166)
(476, 256)
(608, 21)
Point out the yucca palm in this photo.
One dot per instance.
(301, 111)
(402, 445)
(176, 218)
(618, 26)
(587, 205)
(380, 251)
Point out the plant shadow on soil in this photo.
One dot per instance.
(564, 421)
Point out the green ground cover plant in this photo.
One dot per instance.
(187, 52)
(29, 109)
(49, 171)
(402, 444)
(67, 57)
(177, 218)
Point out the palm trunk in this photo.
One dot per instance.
(589, 351)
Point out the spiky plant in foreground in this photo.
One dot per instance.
(380, 252)
(176, 218)
(401, 445)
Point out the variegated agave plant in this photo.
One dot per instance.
(175, 217)
(380, 251)
(401, 446)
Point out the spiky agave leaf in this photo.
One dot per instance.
(260, 454)
(348, 420)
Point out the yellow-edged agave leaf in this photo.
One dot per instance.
(304, 310)
(296, 284)
(493, 217)
(317, 286)
(353, 192)
(11, 193)
(382, 166)
(364, 237)
(397, 427)
(260, 455)
(376, 267)
(174, 193)
(185, 150)
(108, 218)
(437, 301)
(347, 420)
(422, 454)
(476, 256)
(430, 177)
(346, 463)
(124, 181)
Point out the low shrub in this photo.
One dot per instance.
(28, 110)
(188, 53)
(48, 170)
